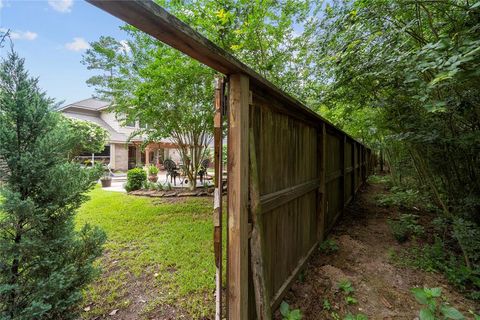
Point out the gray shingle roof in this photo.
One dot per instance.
(89, 104)
(114, 135)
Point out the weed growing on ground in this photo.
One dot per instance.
(327, 305)
(405, 227)
(434, 308)
(440, 257)
(351, 300)
(335, 315)
(301, 277)
(329, 246)
(346, 287)
(288, 314)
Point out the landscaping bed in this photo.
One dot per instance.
(183, 192)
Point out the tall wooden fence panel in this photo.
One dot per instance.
(299, 203)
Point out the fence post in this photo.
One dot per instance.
(321, 155)
(238, 175)
(218, 181)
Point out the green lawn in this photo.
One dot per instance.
(158, 253)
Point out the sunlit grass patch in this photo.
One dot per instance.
(158, 252)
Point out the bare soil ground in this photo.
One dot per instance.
(382, 288)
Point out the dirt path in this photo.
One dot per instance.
(381, 288)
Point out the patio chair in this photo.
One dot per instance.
(203, 169)
(172, 170)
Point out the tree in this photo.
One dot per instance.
(90, 137)
(44, 262)
(415, 64)
(171, 93)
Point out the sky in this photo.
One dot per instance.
(51, 36)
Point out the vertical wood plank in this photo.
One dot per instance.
(321, 151)
(238, 175)
(217, 208)
(257, 240)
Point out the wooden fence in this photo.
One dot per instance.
(308, 171)
(290, 172)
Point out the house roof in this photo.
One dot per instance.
(88, 104)
(115, 136)
(95, 106)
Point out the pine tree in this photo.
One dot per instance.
(44, 261)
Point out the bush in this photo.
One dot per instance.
(135, 179)
(45, 263)
(439, 257)
(406, 227)
(152, 170)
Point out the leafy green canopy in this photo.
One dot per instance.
(171, 93)
(44, 263)
(411, 70)
(415, 66)
(91, 138)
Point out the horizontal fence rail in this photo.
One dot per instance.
(290, 172)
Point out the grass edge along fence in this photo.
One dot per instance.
(290, 172)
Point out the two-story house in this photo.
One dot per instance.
(121, 152)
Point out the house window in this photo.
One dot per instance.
(142, 125)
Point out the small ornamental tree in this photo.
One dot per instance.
(44, 261)
(90, 137)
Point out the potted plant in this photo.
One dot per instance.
(106, 179)
(152, 173)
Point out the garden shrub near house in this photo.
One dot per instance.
(135, 179)
(44, 262)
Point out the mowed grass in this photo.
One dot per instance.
(158, 254)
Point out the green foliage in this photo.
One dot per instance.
(434, 309)
(171, 93)
(383, 179)
(346, 287)
(439, 257)
(399, 197)
(136, 179)
(152, 170)
(90, 137)
(288, 314)
(44, 262)
(327, 305)
(355, 317)
(351, 300)
(403, 75)
(405, 227)
(329, 246)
